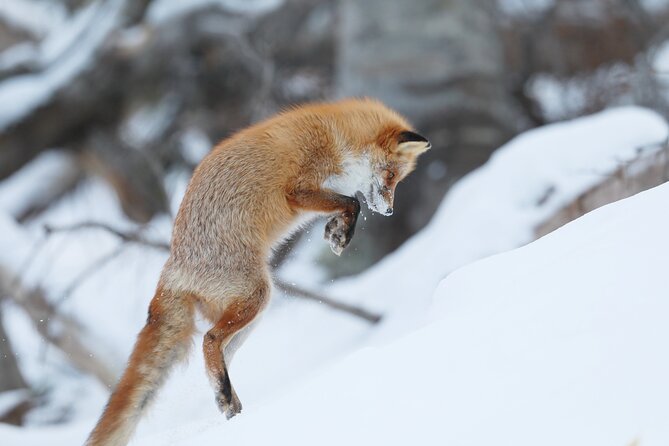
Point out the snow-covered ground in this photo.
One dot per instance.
(520, 346)
(497, 207)
(559, 342)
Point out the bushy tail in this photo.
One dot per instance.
(163, 341)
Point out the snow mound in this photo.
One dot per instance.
(559, 342)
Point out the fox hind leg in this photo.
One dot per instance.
(237, 316)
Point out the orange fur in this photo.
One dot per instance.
(252, 190)
(163, 340)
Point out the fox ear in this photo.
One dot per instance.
(411, 143)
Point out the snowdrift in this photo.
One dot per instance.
(498, 206)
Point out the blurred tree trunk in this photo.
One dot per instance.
(441, 63)
(11, 379)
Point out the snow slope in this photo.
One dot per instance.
(498, 206)
(559, 342)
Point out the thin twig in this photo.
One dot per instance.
(85, 274)
(59, 330)
(341, 306)
(137, 237)
(132, 237)
(30, 258)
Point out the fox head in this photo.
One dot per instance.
(390, 165)
(380, 149)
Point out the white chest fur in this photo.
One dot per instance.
(357, 175)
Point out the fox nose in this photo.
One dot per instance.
(389, 211)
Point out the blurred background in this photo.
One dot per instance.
(116, 101)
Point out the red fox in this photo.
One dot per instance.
(245, 197)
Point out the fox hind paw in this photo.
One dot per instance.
(233, 409)
(229, 408)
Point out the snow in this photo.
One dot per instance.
(37, 17)
(149, 122)
(61, 56)
(123, 288)
(585, 9)
(661, 62)
(518, 7)
(21, 94)
(558, 98)
(17, 192)
(558, 342)
(655, 5)
(563, 98)
(194, 145)
(21, 54)
(472, 364)
(54, 266)
(12, 398)
(568, 330)
(164, 10)
(498, 206)
(65, 37)
(661, 67)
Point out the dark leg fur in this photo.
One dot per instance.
(239, 314)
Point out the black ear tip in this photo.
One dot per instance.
(408, 136)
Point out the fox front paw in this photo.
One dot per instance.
(339, 232)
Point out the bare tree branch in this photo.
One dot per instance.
(59, 330)
(86, 273)
(336, 305)
(649, 169)
(12, 380)
(131, 237)
(11, 377)
(137, 237)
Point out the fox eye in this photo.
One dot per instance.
(390, 175)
